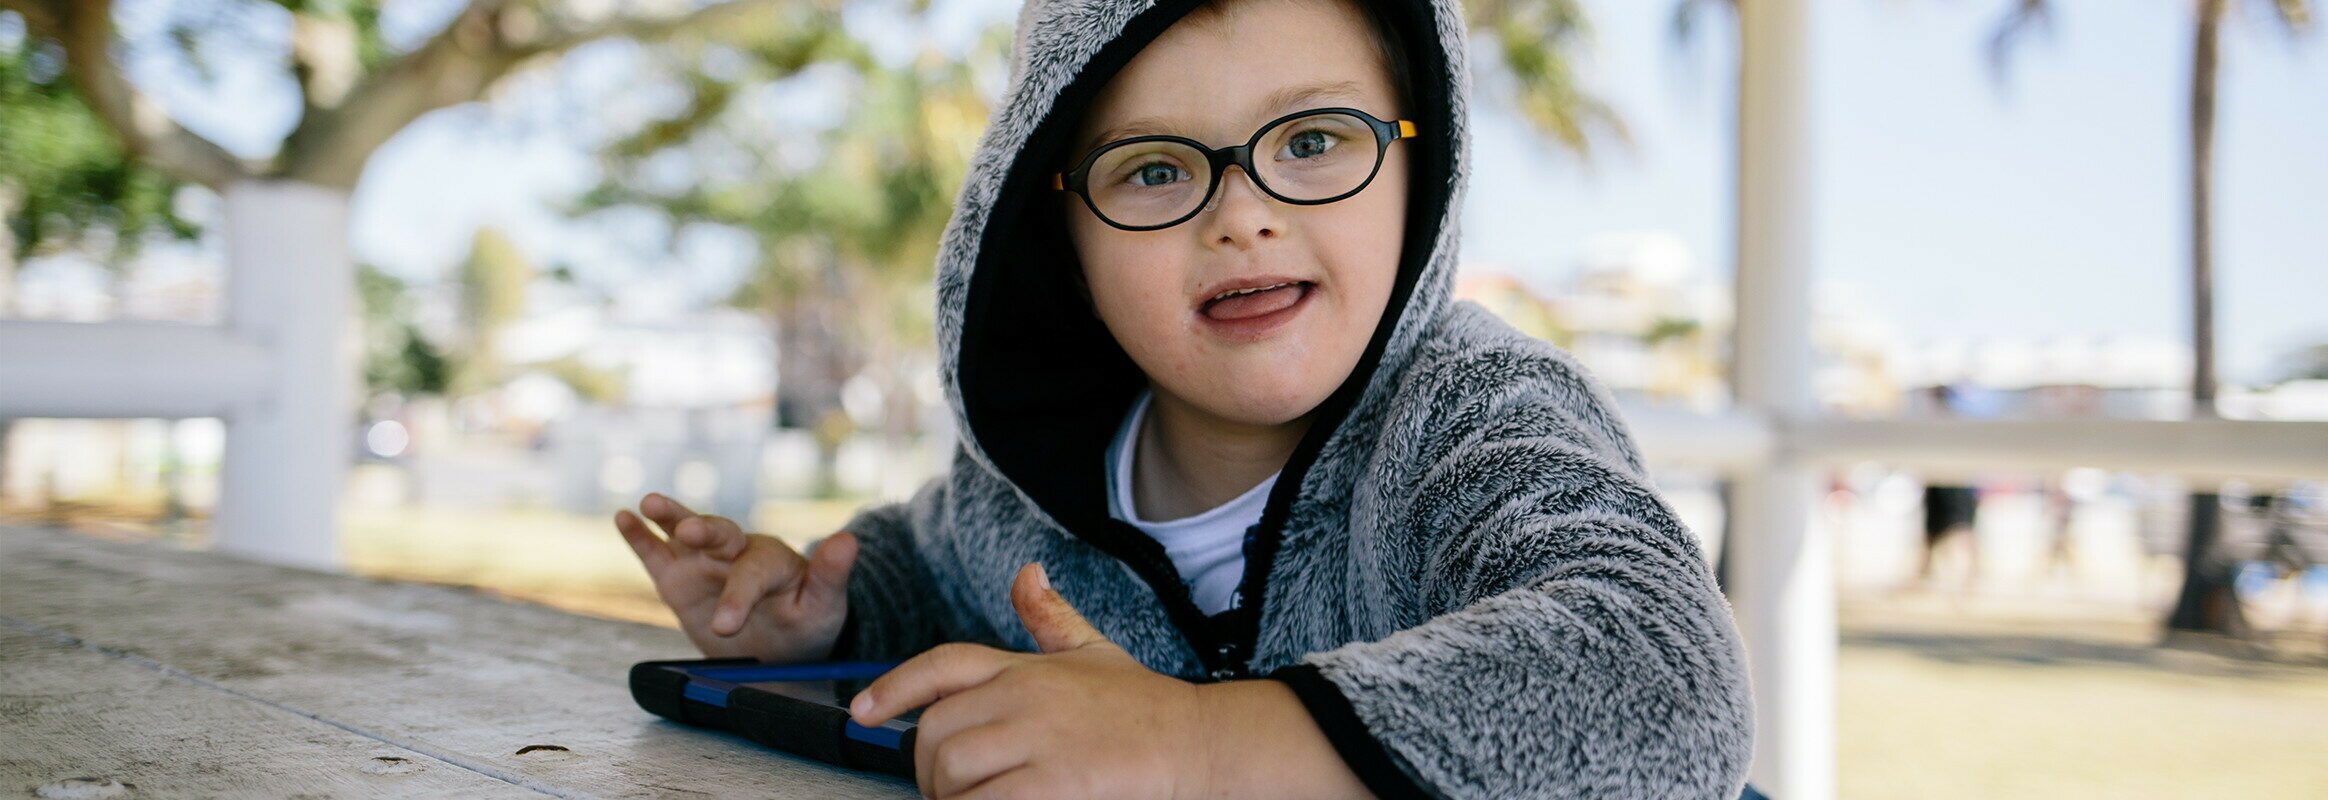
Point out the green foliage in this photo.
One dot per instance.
(73, 184)
(371, 50)
(1670, 328)
(397, 358)
(1540, 41)
(877, 199)
(2307, 364)
(493, 281)
(592, 384)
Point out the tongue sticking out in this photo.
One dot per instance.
(1244, 306)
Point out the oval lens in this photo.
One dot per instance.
(1147, 183)
(1317, 156)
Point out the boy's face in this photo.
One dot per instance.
(1212, 83)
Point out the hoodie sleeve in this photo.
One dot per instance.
(1575, 642)
(895, 610)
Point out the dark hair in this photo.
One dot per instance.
(1394, 55)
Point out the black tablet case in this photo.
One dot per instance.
(797, 726)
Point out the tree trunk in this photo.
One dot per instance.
(2207, 602)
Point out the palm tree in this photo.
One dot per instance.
(847, 244)
(1539, 41)
(2207, 602)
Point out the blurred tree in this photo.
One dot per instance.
(2307, 364)
(493, 289)
(1539, 43)
(847, 237)
(1671, 327)
(397, 358)
(2207, 602)
(356, 90)
(590, 383)
(65, 182)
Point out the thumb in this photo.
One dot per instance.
(1056, 624)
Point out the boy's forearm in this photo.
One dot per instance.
(1263, 743)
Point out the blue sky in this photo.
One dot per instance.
(1947, 203)
(2051, 204)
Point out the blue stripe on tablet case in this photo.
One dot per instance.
(710, 685)
(822, 671)
(708, 695)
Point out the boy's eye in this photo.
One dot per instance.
(1154, 173)
(1309, 143)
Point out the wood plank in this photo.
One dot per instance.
(67, 713)
(444, 671)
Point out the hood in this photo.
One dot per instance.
(1036, 397)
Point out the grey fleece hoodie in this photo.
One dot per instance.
(1463, 571)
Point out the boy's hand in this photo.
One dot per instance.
(739, 594)
(1082, 719)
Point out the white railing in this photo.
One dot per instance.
(1782, 584)
(280, 372)
(125, 369)
(1782, 589)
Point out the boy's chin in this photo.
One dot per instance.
(1263, 402)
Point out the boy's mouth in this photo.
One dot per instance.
(1253, 299)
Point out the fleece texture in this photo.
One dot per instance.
(1463, 572)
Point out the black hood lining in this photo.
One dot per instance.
(1045, 385)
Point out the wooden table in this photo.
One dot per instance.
(146, 670)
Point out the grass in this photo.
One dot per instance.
(574, 562)
(1996, 700)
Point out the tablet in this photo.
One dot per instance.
(799, 708)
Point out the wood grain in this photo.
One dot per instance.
(461, 680)
(71, 713)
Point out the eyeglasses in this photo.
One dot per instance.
(1318, 156)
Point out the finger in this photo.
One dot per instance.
(717, 536)
(665, 511)
(968, 758)
(940, 671)
(1054, 622)
(985, 704)
(764, 567)
(829, 563)
(1015, 784)
(650, 548)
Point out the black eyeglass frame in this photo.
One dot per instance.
(1220, 158)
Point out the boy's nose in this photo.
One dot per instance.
(1237, 173)
(1253, 218)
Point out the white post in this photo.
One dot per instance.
(1782, 571)
(290, 291)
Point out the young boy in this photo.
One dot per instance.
(1244, 505)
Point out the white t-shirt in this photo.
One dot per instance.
(1208, 549)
